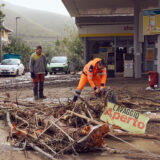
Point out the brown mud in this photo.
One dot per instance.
(61, 88)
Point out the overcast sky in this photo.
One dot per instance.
(55, 6)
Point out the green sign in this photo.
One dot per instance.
(126, 118)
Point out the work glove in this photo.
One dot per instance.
(33, 75)
(102, 89)
(97, 92)
(46, 73)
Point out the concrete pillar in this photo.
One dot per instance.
(115, 46)
(158, 54)
(145, 51)
(158, 59)
(137, 44)
(85, 50)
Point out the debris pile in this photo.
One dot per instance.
(55, 129)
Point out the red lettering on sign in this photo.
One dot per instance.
(128, 28)
(108, 112)
(134, 121)
(116, 115)
(123, 118)
(134, 124)
(141, 125)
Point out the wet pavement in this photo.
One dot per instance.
(26, 81)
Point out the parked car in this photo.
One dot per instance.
(12, 67)
(58, 64)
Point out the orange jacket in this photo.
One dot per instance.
(90, 70)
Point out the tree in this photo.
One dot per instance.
(2, 15)
(69, 45)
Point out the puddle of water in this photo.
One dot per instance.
(96, 156)
(147, 145)
(3, 132)
(47, 100)
(5, 147)
(139, 144)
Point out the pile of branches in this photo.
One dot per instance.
(55, 129)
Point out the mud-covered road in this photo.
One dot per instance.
(26, 81)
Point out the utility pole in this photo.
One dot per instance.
(17, 29)
(1, 27)
(0, 44)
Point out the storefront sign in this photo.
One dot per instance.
(126, 118)
(151, 22)
(106, 30)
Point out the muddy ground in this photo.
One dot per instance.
(61, 88)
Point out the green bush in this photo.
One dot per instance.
(69, 45)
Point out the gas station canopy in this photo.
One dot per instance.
(96, 15)
(82, 8)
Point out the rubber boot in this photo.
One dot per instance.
(41, 84)
(35, 91)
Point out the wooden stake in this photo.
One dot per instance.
(84, 117)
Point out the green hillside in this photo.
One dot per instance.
(53, 21)
(34, 26)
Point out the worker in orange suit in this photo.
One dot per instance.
(90, 74)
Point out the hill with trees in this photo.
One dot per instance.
(35, 26)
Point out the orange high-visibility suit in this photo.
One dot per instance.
(90, 74)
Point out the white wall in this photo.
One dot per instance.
(103, 29)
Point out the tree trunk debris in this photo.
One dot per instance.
(56, 129)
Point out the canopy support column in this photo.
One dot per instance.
(137, 44)
(158, 54)
(85, 50)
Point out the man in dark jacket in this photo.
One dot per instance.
(38, 70)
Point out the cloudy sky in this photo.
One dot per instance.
(46, 5)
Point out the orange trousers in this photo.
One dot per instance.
(38, 78)
(83, 81)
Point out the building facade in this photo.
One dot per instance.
(114, 30)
